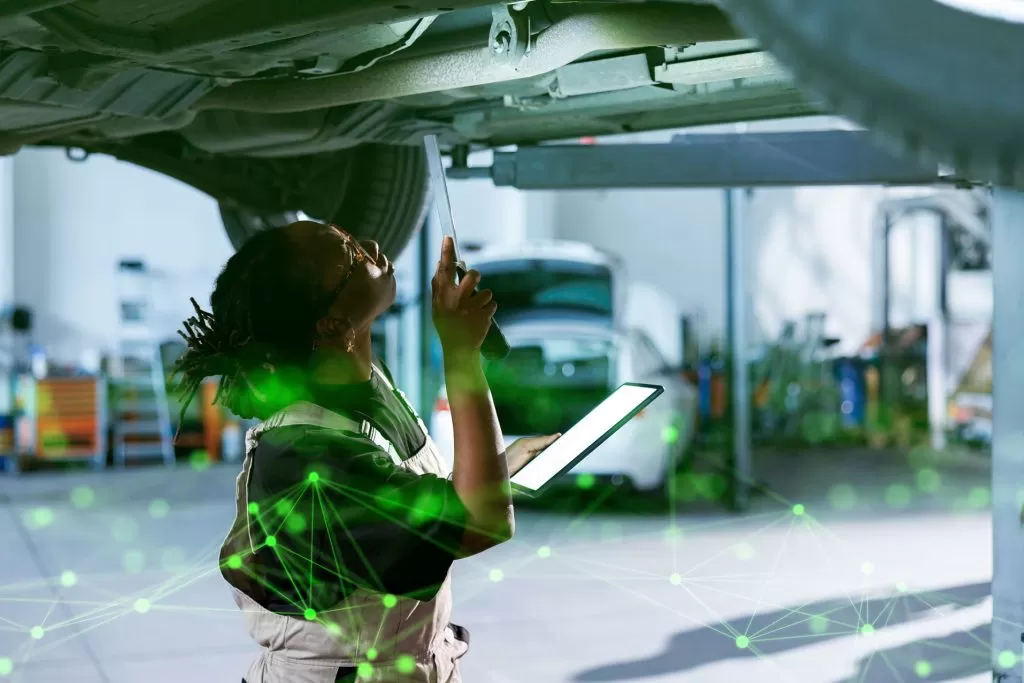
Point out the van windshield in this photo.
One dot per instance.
(546, 386)
(526, 286)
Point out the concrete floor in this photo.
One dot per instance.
(884, 577)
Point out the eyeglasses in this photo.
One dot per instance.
(358, 256)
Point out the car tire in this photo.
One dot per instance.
(940, 84)
(384, 191)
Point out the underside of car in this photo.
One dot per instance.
(320, 106)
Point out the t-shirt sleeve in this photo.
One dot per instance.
(343, 515)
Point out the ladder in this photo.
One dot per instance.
(140, 412)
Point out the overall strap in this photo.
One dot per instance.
(402, 398)
(305, 413)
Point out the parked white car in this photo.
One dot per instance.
(558, 370)
(561, 308)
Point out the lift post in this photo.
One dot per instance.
(1008, 437)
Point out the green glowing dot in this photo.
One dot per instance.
(371, 654)
(544, 551)
(296, 523)
(867, 568)
(37, 632)
(711, 486)
(670, 434)
(428, 507)
(818, 624)
(923, 668)
(798, 510)
(928, 480)
(82, 497)
(200, 460)
(742, 642)
(867, 629)
(902, 587)
(496, 575)
(41, 517)
(125, 529)
(283, 507)
(898, 496)
(68, 579)
(675, 579)
(364, 670)
(254, 508)
(744, 551)
(142, 605)
(389, 601)
(672, 533)
(979, 497)
(159, 508)
(333, 629)
(133, 561)
(405, 664)
(585, 481)
(6, 666)
(234, 562)
(313, 477)
(1007, 659)
(309, 613)
(842, 497)
(271, 541)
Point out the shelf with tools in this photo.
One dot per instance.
(59, 419)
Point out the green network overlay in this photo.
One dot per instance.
(306, 507)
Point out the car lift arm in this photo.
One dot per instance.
(830, 157)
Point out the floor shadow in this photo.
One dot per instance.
(949, 658)
(771, 633)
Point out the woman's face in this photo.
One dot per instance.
(358, 279)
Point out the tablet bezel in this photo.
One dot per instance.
(658, 391)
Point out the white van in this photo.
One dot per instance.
(561, 308)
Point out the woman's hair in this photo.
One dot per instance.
(260, 334)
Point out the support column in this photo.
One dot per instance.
(1008, 435)
(6, 232)
(737, 298)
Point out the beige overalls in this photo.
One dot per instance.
(408, 642)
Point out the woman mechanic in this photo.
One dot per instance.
(347, 520)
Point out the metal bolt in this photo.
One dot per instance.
(502, 42)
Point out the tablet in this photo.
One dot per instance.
(585, 436)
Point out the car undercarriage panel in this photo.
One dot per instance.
(262, 78)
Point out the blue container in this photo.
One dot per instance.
(704, 389)
(852, 392)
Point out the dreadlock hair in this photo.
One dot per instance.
(260, 334)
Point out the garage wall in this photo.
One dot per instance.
(75, 221)
(673, 240)
(810, 249)
(487, 214)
